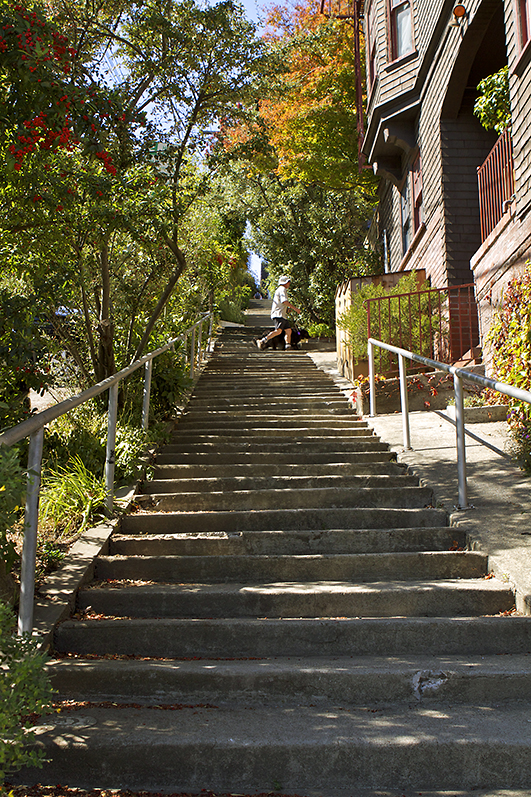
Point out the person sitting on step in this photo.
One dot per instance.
(279, 314)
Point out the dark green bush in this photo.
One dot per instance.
(25, 690)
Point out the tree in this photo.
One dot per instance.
(493, 106)
(294, 158)
(313, 233)
(311, 111)
(83, 214)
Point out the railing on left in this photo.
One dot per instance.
(34, 429)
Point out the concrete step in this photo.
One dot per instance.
(255, 424)
(251, 380)
(281, 519)
(256, 404)
(359, 568)
(276, 388)
(274, 445)
(237, 637)
(351, 681)
(237, 483)
(323, 598)
(236, 749)
(279, 412)
(271, 469)
(378, 453)
(265, 434)
(221, 543)
(289, 498)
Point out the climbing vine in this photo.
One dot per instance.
(509, 339)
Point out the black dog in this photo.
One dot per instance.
(279, 341)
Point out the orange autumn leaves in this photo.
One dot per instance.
(307, 111)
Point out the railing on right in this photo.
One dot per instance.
(460, 375)
(496, 183)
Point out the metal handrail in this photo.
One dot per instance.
(460, 375)
(34, 429)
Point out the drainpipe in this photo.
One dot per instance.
(386, 253)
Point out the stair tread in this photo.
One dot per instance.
(241, 747)
(315, 587)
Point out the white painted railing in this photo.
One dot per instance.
(460, 375)
(34, 429)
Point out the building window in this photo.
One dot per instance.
(411, 207)
(524, 21)
(405, 211)
(416, 185)
(401, 28)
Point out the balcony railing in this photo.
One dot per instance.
(496, 184)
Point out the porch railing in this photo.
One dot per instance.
(496, 184)
(34, 429)
(437, 322)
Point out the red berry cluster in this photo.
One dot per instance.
(105, 158)
(38, 134)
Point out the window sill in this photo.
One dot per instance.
(523, 60)
(398, 62)
(412, 246)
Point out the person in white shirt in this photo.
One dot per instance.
(279, 314)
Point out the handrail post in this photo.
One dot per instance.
(372, 381)
(110, 458)
(148, 371)
(31, 519)
(200, 344)
(211, 324)
(192, 354)
(404, 401)
(460, 443)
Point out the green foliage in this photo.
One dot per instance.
(21, 349)
(493, 106)
(230, 311)
(395, 319)
(71, 497)
(12, 492)
(321, 331)
(24, 690)
(313, 233)
(509, 339)
(170, 383)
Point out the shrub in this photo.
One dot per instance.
(24, 691)
(509, 339)
(230, 311)
(12, 491)
(70, 498)
(321, 331)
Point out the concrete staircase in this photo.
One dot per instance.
(288, 611)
